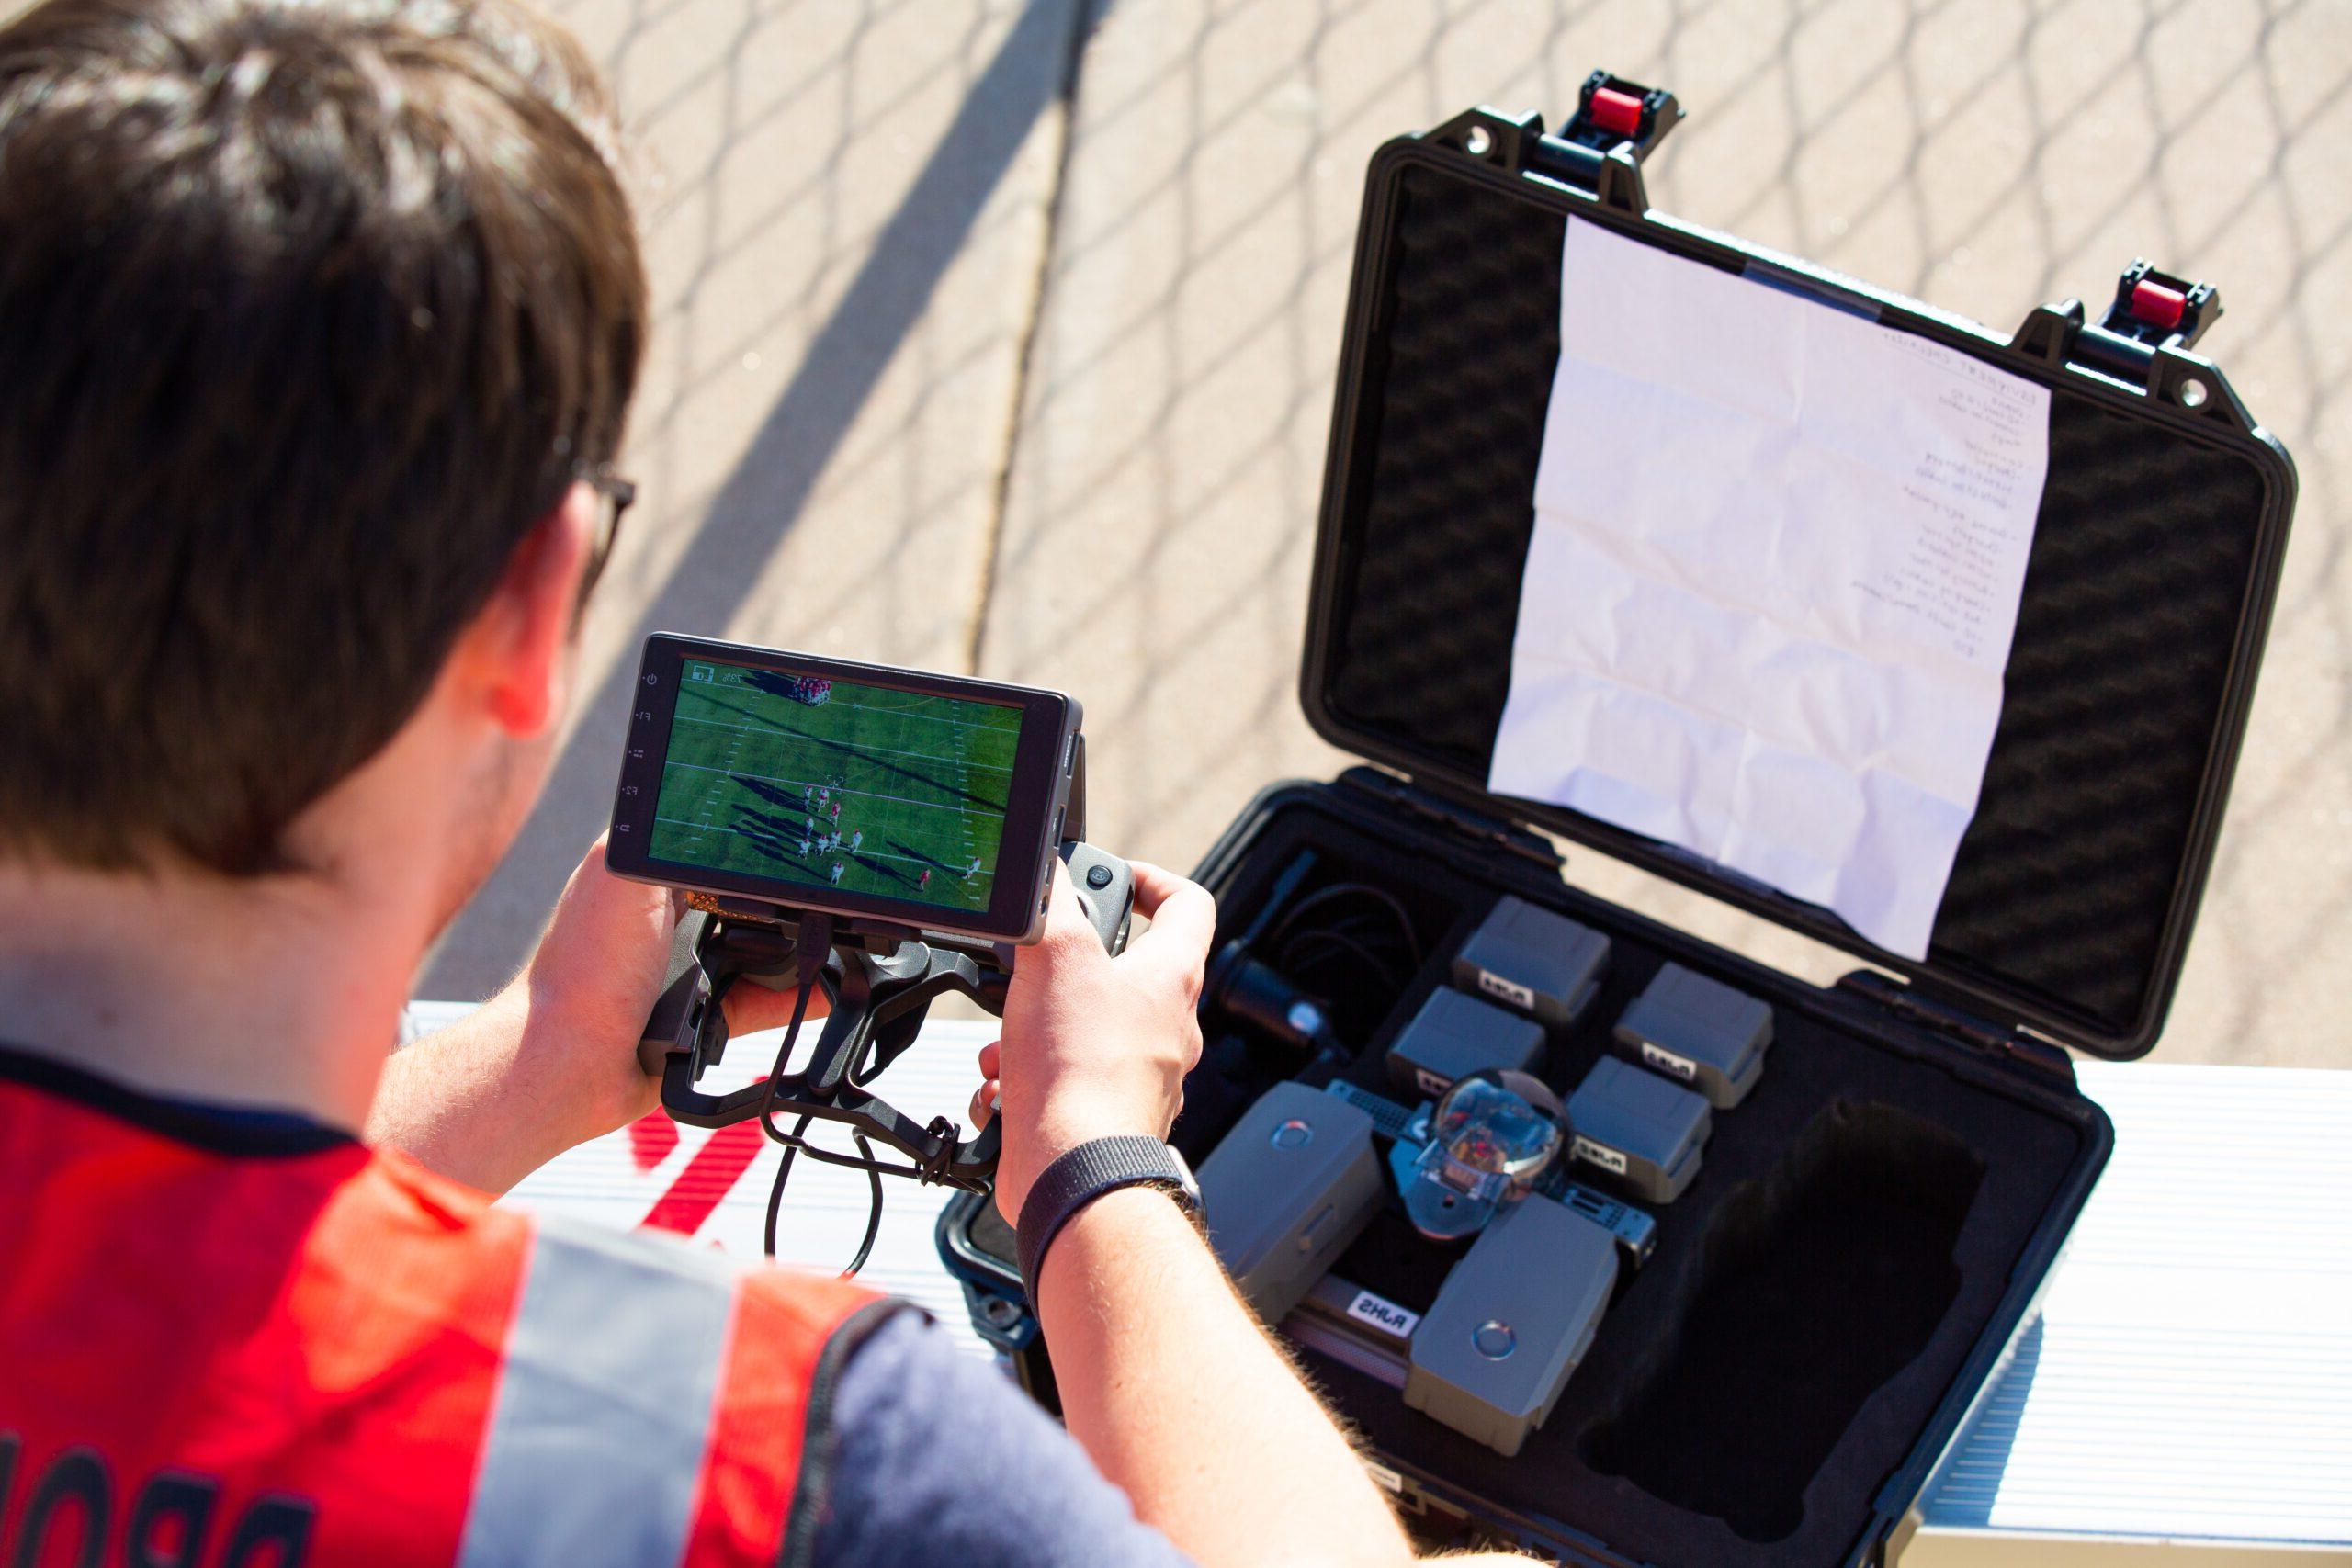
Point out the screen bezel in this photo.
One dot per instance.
(1033, 820)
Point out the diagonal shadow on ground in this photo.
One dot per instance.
(765, 496)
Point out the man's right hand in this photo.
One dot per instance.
(1094, 1045)
(1173, 1388)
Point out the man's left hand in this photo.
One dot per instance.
(550, 1061)
(596, 975)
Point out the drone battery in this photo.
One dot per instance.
(1286, 1191)
(1453, 1036)
(1700, 1031)
(1639, 1128)
(1511, 1323)
(1531, 959)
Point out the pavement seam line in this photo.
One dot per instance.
(1082, 14)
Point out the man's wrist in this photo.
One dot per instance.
(1065, 1124)
(1109, 1234)
(1083, 1176)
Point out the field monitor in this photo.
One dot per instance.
(883, 797)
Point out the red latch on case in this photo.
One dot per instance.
(1613, 110)
(2159, 307)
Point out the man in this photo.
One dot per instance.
(318, 327)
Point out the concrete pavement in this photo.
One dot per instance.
(1005, 332)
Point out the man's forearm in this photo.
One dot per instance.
(1181, 1399)
(470, 1103)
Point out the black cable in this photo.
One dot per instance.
(872, 1210)
(1295, 956)
(775, 1193)
(1339, 890)
(812, 943)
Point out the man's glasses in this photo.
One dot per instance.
(616, 496)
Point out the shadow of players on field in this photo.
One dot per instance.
(898, 846)
(866, 759)
(772, 836)
(777, 795)
(885, 872)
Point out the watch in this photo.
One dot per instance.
(1084, 1174)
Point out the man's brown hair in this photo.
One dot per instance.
(309, 310)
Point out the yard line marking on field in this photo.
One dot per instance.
(838, 789)
(923, 718)
(844, 745)
(1010, 728)
(853, 854)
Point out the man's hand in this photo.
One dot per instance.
(594, 978)
(1170, 1385)
(1095, 1046)
(551, 1060)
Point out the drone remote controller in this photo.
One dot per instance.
(897, 826)
(879, 988)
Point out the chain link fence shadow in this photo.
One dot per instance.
(1984, 157)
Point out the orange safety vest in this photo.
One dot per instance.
(229, 1348)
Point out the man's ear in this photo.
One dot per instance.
(516, 649)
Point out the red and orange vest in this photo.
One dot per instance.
(223, 1346)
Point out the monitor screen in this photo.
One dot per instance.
(830, 784)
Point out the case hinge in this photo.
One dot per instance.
(1457, 818)
(1953, 1023)
(2141, 340)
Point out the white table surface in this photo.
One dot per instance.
(2190, 1378)
(2187, 1387)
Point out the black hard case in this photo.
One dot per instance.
(2067, 921)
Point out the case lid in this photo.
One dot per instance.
(2146, 599)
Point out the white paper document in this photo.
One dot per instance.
(1775, 571)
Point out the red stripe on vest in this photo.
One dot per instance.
(782, 1324)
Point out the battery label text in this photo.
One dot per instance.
(1666, 1061)
(1511, 991)
(1601, 1154)
(1383, 1314)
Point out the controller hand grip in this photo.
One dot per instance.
(685, 989)
(1106, 891)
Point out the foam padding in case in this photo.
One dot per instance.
(2145, 550)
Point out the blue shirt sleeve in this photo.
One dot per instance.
(938, 1457)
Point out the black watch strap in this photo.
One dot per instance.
(1086, 1173)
